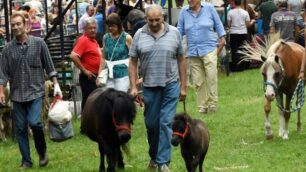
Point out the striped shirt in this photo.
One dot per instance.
(158, 56)
(24, 66)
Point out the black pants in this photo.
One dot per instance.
(87, 86)
(236, 40)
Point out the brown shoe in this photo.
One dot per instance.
(43, 160)
(25, 166)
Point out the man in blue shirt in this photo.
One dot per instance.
(99, 18)
(204, 33)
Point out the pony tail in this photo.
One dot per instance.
(258, 48)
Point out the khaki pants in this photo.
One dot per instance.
(204, 76)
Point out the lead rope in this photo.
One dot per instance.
(300, 96)
(184, 107)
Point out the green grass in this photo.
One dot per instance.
(237, 137)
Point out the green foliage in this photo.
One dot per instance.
(236, 129)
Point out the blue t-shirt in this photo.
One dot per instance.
(99, 18)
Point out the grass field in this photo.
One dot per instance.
(237, 137)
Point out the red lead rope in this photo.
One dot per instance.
(120, 127)
(182, 135)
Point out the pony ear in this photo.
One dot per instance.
(263, 58)
(276, 58)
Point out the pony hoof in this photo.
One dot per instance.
(121, 166)
(299, 130)
(285, 137)
(269, 137)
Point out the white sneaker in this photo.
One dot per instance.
(163, 168)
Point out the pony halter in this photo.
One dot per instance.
(120, 127)
(182, 135)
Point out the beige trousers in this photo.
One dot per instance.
(204, 76)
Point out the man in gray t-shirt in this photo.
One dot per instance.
(284, 21)
(158, 48)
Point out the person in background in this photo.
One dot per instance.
(302, 69)
(265, 11)
(116, 53)
(158, 48)
(90, 11)
(295, 6)
(238, 22)
(99, 18)
(37, 5)
(36, 28)
(82, 8)
(24, 63)
(285, 22)
(205, 39)
(24, 8)
(87, 56)
(136, 20)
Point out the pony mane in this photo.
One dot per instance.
(260, 50)
(118, 102)
(183, 117)
(123, 105)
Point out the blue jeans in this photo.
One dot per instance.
(160, 109)
(28, 114)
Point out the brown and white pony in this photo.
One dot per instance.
(280, 70)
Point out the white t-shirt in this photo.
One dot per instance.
(238, 17)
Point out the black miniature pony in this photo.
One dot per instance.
(194, 138)
(106, 119)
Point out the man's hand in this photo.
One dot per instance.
(89, 74)
(183, 95)
(301, 75)
(57, 90)
(2, 98)
(221, 44)
(134, 92)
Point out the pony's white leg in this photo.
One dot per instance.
(286, 131)
(267, 109)
(281, 123)
(286, 116)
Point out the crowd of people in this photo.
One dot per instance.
(283, 16)
(148, 52)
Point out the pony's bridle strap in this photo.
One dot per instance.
(120, 127)
(182, 135)
(275, 87)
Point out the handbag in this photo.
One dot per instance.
(59, 120)
(59, 111)
(102, 78)
(60, 132)
(103, 75)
